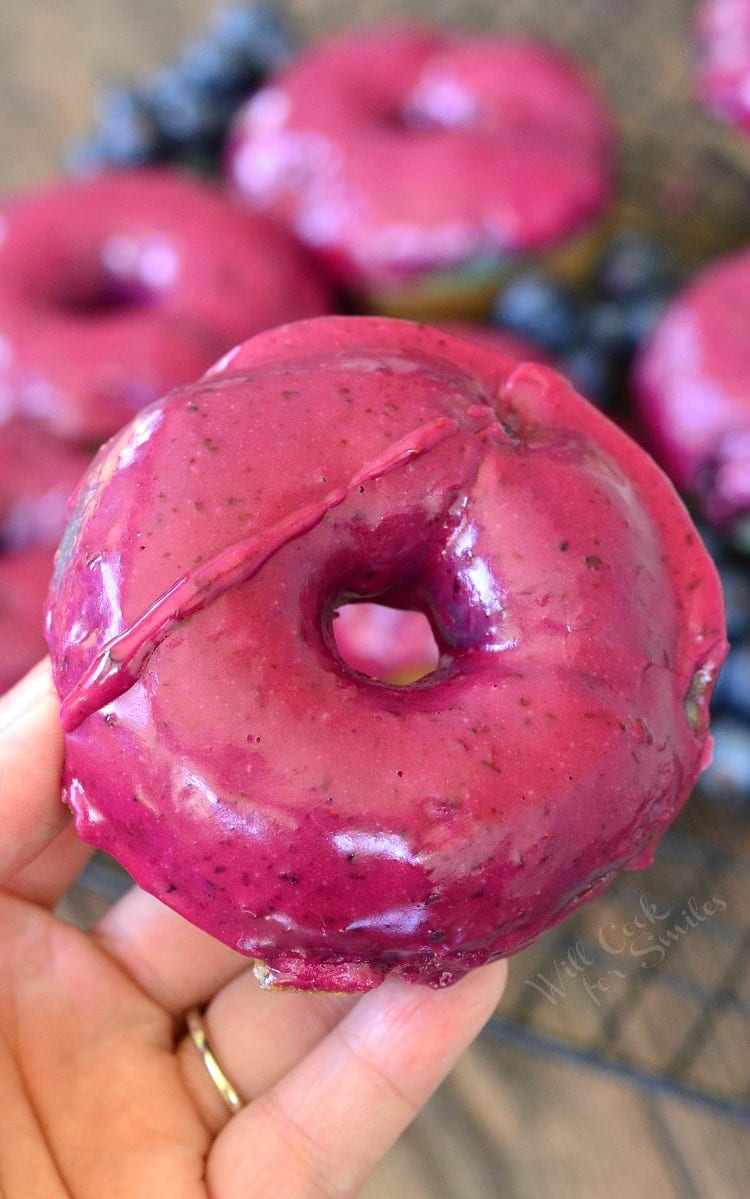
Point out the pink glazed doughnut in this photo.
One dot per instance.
(24, 581)
(37, 475)
(413, 159)
(115, 288)
(334, 827)
(691, 389)
(723, 68)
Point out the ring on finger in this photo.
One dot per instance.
(197, 1030)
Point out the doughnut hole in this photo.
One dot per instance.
(396, 608)
(122, 273)
(390, 645)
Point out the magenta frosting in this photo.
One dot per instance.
(691, 389)
(723, 60)
(401, 150)
(117, 287)
(335, 827)
(37, 475)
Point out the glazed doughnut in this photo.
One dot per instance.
(332, 826)
(691, 389)
(117, 287)
(37, 475)
(24, 582)
(723, 68)
(415, 161)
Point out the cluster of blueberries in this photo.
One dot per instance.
(182, 115)
(593, 332)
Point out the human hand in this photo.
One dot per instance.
(101, 1090)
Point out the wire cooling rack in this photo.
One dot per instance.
(652, 981)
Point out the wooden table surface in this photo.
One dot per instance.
(508, 1122)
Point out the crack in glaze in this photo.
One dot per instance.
(120, 662)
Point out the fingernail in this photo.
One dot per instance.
(20, 700)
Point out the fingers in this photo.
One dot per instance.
(31, 753)
(98, 1068)
(45, 880)
(322, 1128)
(21, 698)
(257, 1036)
(176, 964)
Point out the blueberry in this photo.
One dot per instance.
(127, 134)
(713, 541)
(634, 264)
(197, 159)
(606, 327)
(738, 536)
(736, 584)
(87, 156)
(589, 368)
(733, 685)
(255, 32)
(640, 314)
(183, 113)
(537, 307)
(727, 779)
(213, 69)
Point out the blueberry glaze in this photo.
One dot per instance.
(335, 827)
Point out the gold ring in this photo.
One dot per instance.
(197, 1031)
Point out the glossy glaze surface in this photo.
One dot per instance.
(692, 389)
(115, 288)
(332, 826)
(37, 475)
(401, 150)
(396, 645)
